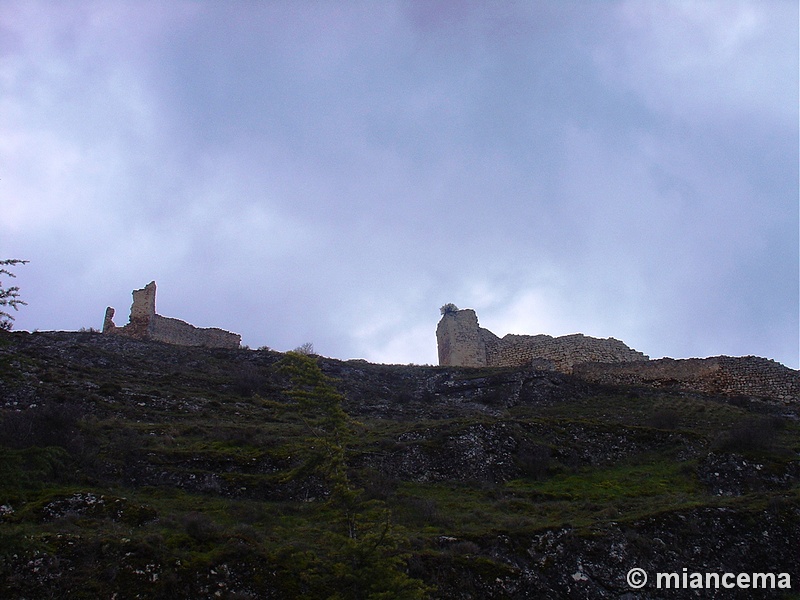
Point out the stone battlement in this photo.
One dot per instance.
(146, 324)
(462, 342)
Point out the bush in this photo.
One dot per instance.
(464, 547)
(753, 435)
(424, 511)
(30, 468)
(448, 308)
(48, 425)
(201, 528)
(664, 419)
(306, 349)
(248, 381)
(534, 459)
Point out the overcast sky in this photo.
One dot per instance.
(334, 172)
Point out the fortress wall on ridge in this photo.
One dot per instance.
(145, 324)
(726, 375)
(462, 342)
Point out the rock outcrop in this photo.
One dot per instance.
(145, 324)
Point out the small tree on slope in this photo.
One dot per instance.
(357, 551)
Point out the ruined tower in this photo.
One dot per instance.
(459, 339)
(146, 324)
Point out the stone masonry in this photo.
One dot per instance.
(726, 375)
(462, 342)
(146, 324)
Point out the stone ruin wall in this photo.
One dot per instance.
(462, 342)
(738, 376)
(557, 353)
(146, 324)
(181, 333)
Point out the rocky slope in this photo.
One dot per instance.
(143, 470)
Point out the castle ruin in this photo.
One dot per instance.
(145, 324)
(464, 343)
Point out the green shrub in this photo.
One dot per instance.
(664, 419)
(306, 349)
(534, 459)
(448, 308)
(753, 435)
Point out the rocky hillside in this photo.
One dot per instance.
(142, 470)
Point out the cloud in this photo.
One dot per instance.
(335, 174)
(707, 60)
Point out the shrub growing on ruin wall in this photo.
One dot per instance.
(448, 308)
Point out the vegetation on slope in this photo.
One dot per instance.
(141, 470)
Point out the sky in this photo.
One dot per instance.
(334, 172)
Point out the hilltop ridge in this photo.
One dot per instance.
(135, 467)
(462, 342)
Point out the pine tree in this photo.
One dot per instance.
(9, 296)
(357, 551)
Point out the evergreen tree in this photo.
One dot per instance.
(357, 552)
(9, 296)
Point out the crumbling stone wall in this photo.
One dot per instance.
(559, 353)
(146, 324)
(462, 342)
(748, 376)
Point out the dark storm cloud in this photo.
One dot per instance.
(334, 172)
